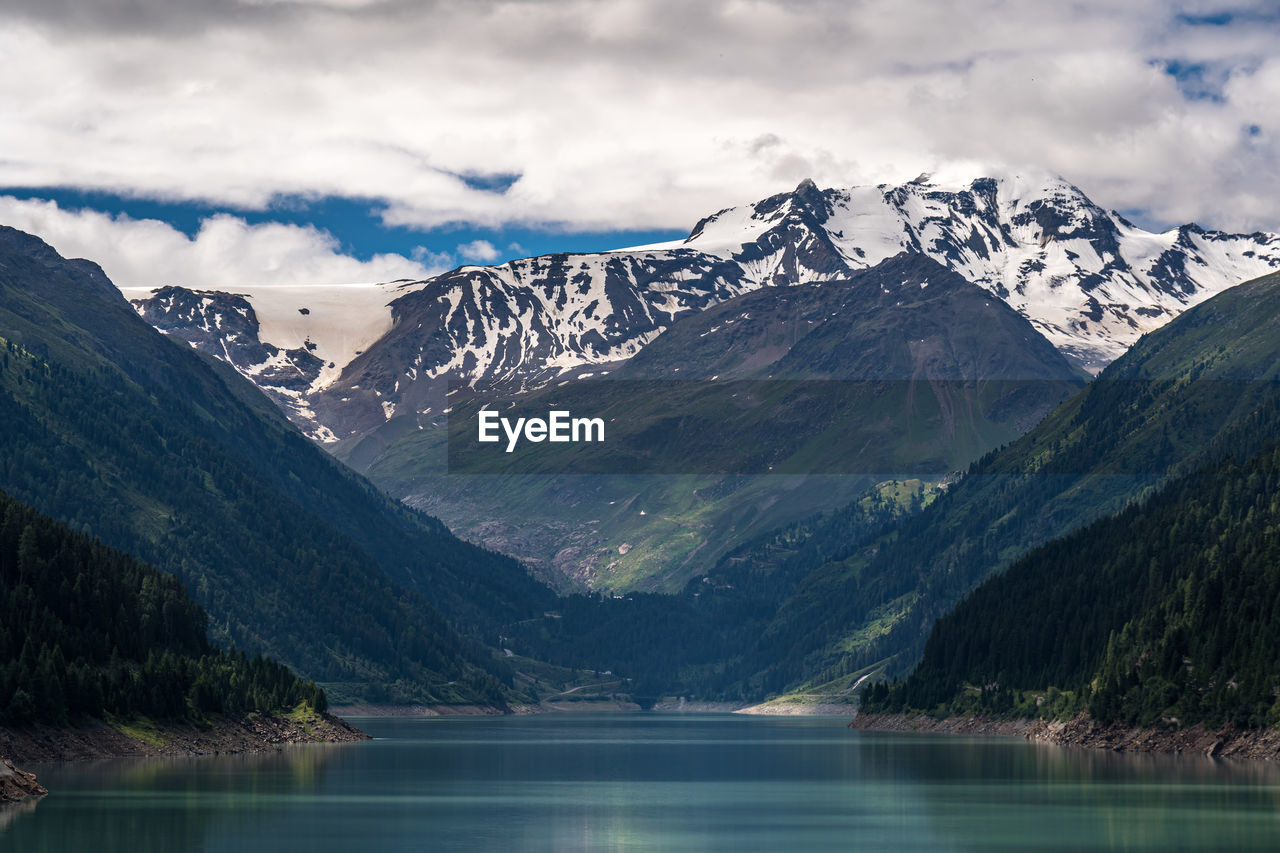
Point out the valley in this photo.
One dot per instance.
(754, 292)
(550, 426)
(816, 450)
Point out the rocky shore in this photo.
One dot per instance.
(371, 710)
(252, 733)
(1226, 742)
(923, 723)
(17, 785)
(596, 704)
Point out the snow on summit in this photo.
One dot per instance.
(1090, 281)
(336, 322)
(345, 359)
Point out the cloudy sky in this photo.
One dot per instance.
(209, 142)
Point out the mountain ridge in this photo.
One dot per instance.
(895, 369)
(1087, 278)
(1160, 615)
(174, 457)
(1203, 387)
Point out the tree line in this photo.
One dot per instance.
(1167, 613)
(87, 631)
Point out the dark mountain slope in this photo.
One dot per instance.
(135, 438)
(901, 368)
(908, 317)
(1197, 389)
(1168, 613)
(88, 631)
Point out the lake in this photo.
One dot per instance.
(669, 782)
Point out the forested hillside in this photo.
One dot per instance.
(88, 631)
(1198, 389)
(143, 443)
(1166, 613)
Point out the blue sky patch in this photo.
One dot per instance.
(496, 183)
(1197, 81)
(357, 224)
(1214, 19)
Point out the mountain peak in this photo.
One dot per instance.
(806, 186)
(1088, 281)
(31, 247)
(811, 199)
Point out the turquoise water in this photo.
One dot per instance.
(622, 782)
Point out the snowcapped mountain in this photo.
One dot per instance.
(345, 361)
(1089, 280)
(292, 341)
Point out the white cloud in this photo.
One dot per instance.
(634, 113)
(478, 250)
(224, 253)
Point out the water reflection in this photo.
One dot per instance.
(178, 804)
(11, 811)
(655, 782)
(985, 794)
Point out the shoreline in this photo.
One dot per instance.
(96, 739)
(551, 706)
(1081, 731)
(255, 733)
(375, 710)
